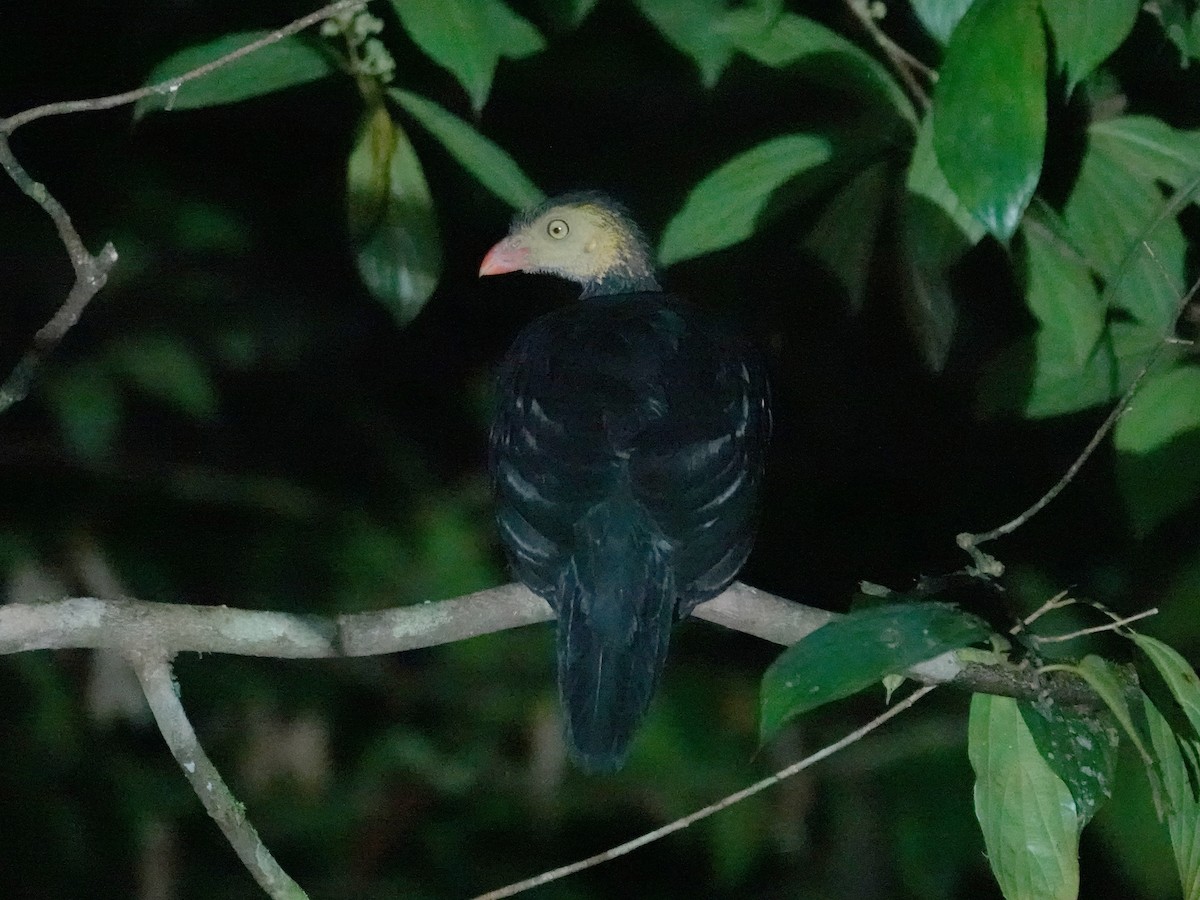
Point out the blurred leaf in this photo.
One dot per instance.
(1029, 821)
(693, 28)
(1079, 746)
(1182, 29)
(166, 368)
(1151, 148)
(724, 208)
(843, 237)
(1179, 775)
(989, 111)
(570, 13)
(1039, 377)
(1158, 439)
(485, 160)
(784, 40)
(854, 652)
(1060, 291)
(1119, 220)
(1180, 677)
(87, 404)
(468, 37)
(940, 17)
(1086, 32)
(286, 63)
(392, 223)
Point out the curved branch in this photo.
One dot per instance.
(134, 626)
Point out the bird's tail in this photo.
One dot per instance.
(614, 624)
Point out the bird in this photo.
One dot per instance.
(626, 455)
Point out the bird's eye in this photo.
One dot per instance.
(557, 229)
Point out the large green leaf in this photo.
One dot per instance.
(1150, 148)
(1079, 746)
(694, 28)
(1060, 291)
(1159, 439)
(1177, 762)
(282, 64)
(468, 37)
(494, 169)
(1181, 678)
(725, 207)
(855, 651)
(392, 223)
(843, 237)
(1028, 816)
(925, 179)
(989, 111)
(786, 39)
(1119, 219)
(940, 17)
(1086, 32)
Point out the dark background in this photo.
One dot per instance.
(341, 469)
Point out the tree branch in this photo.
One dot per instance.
(135, 626)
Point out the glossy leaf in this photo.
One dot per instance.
(843, 237)
(692, 27)
(926, 179)
(484, 159)
(1079, 746)
(283, 64)
(1086, 32)
(1060, 292)
(940, 17)
(1028, 816)
(468, 38)
(1177, 762)
(786, 39)
(1158, 439)
(726, 206)
(1151, 148)
(989, 111)
(164, 367)
(392, 223)
(1130, 236)
(855, 651)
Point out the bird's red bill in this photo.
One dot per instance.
(506, 256)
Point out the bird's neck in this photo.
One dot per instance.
(632, 273)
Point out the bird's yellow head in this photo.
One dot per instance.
(583, 237)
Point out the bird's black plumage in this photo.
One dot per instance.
(627, 455)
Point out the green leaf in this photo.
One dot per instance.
(1060, 291)
(1040, 377)
(483, 158)
(87, 404)
(1080, 747)
(855, 651)
(286, 63)
(1180, 677)
(391, 218)
(1150, 148)
(693, 28)
(166, 368)
(925, 179)
(1028, 816)
(784, 40)
(1102, 676)
(725, 207)
(1158, 439)
(1119, 220)
(940, 17)
(1183, 31)
(989, 111)
(1179, 773)
(468, 37)
(1086, 32)
(843, 237)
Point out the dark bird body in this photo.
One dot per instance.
(627, 455)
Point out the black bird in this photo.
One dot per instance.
(627, 457)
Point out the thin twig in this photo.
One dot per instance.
(906, 65)
(1115, 625)
(154, 672)
(12, 123)
(680, 824)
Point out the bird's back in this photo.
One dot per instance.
(627, 454)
